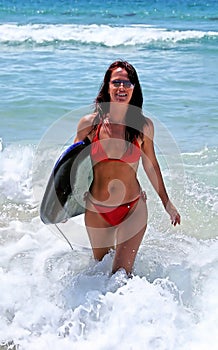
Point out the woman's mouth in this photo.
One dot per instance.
(121, 95)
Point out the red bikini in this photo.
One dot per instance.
(115, 215)
(98, 153)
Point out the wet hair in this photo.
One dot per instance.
(135, 119)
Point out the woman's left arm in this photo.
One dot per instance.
(152, 169)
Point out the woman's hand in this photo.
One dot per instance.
(174, 215)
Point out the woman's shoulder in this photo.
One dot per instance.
(87, 120)
(148, 128)
(85, 126)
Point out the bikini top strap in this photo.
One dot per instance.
(96, 137)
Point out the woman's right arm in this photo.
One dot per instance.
(84, 127)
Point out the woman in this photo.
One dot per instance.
(116, 211)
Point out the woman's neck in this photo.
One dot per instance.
(117, 112)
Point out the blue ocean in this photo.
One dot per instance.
(53, 56)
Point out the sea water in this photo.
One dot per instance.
(53, 55)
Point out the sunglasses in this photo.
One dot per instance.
(126, 84)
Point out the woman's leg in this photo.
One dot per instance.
(101, 234)
(129, 236)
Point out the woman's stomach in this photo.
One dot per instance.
(114, 183)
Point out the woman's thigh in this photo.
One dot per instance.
(129, 236)
(135, 222)
(101, 234)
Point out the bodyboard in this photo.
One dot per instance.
(71, 177)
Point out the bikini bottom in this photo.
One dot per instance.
(115, 215)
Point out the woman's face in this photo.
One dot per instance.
(120, 87)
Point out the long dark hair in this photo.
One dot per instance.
(134, 116)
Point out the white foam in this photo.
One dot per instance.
(54, 297)
(15, 173)
(99, 34)
(1, 144)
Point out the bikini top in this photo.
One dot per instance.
(98, 153)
